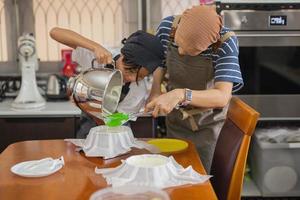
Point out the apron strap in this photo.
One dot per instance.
(188, 114)
(224, 38)
(174, 27)
(176, 21)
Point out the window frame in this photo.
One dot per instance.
(10, 66)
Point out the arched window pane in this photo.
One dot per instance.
(100, 20)
(3, 38)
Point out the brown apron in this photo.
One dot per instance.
(199, 125)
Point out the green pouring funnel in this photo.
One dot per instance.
(116, 119)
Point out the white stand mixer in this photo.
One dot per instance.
(29, 96)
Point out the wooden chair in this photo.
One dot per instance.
(230, 156)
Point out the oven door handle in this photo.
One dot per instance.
(269, 35)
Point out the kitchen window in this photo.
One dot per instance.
(104, 21)
(7, 36)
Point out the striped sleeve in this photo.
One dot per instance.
(163, 32)
(226, 63)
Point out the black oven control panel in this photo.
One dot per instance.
(278, 20)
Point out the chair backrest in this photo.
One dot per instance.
(230, 156)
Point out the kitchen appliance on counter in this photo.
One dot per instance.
(29, 96)
(57, 87)
(9, 86)
(269, 38)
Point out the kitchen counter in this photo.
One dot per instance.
(275, 107)
(52, 109)
(57, 120)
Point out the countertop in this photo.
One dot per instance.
(52, 109)
(275, 107)
(270, 107)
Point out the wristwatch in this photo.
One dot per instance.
(188, 95)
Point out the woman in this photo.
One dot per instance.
(202, 63)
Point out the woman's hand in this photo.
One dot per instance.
(103, 56)
(165, 103)
(152, 96)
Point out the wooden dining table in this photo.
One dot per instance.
(77, 179)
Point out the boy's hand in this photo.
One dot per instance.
(103, 56)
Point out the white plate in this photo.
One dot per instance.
(37, 168)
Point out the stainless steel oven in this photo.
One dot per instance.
(269, 40)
